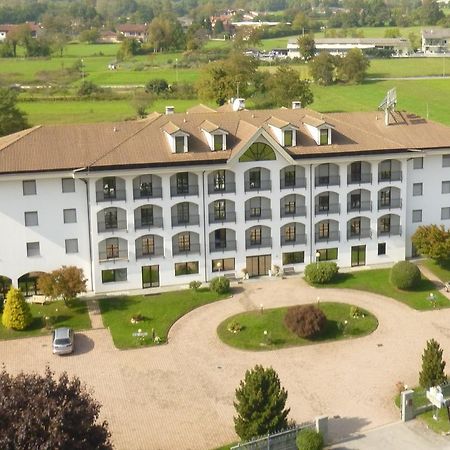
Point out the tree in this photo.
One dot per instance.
(432, 373)
(306, 46)
(66, 283)
(11, 118)
(19, 35)
(90, 36)
(285, 86)
(430, 13)
(16, 311)
(323, 69)
(432, 241)
(247, 37)
(128, 48)
(353, 66)
(44, 412)
(157, 86)
(260, 404)
(414, 40)
(141, 101)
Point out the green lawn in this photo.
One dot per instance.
(377, 281)
(253, 323)
(442, 271)
(75, 316)
(408, 67)
(160, 312)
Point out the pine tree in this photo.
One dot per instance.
(432, 373)
(16, 311)
(260, 404)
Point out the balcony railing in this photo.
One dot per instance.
(229, 216)
(111, 196)
(298, 182)
(387, 176)
(154, 192)
(298, 239)
(299, 211)
(360, 206)
(393, 230)
(258, 215)
(395, 203)
(152, 253)
(184, 191)
(331, 236)
(363, 233)
(227, 188)
(113, 255)
(184, 250)
(222, 246)
(157, 222)
(261, 243)
(111, 227)
(263, 185)
(361, 178)
(328, 180)
(333, 208)
(180, 221)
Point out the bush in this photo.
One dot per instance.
(221, 285)
(195, 285)
(405, 275)
(321, 272)
(16, 312)
(234, 327)
(305, 321)
(157, 86)
(309, 439)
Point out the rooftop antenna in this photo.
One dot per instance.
(388, 104)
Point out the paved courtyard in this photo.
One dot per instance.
(180, 395)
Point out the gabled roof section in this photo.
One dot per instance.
(316, 122)
(210, 127)
(279, 123)
(201, 108)
(171, 128)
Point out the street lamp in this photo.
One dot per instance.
(317, 257)
(219, 266)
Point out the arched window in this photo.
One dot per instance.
(258, 152)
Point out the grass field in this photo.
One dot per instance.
(442, 271)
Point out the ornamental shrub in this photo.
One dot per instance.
(405, 275)
(321, 272)
(305, 321)
(195, 285)
(433, 366)
(16, 312)
(220, 285)
(309, 439)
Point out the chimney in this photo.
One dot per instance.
(170, 109)
(296, 104)
(239, 104)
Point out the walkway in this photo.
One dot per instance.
(94, 313)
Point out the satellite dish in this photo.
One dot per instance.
(388, 104)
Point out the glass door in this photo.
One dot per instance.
(150, 276)
(358, 255)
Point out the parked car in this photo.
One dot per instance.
(62, 341)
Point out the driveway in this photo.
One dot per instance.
(181, 395)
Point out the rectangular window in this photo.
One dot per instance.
(417, 189)
(219, 210)
(31, 218)
(114, 275)
(382, 247)
(182, 183)
(70, 215)
(293, 258)
(145, 186)
(328, 254)
(147, 216)
(255, 207)
(109, 187)
(71, 245)
(183, 212)
(355, 227)
(29, 187)
(417, 215)
(68, 185)
(445, 160)
(418, 163)
(446, 187)
(355, 172)
(324, 202)
(289, 233)
(355, 201)
(179, 144)
(112, 248)
(33, 249)
(385, 197)
(445, 213)
(288, 138)
(223, 265)
(385, 224)
(186, 268)
(289, 207)
(111, 219)
(324, 229)
(255, 236)
(220, 238)
(218, 142)
(323, 137)
(289, 177)
(254, 179)
(148, 245)
(184, 242)
(219, 181)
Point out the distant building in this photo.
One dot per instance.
(248, 23)
(137, 31)
(6, 28)
(108, 37)
(436, 40)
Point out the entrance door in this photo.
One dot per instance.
(358, 255)
(258, 265)
(150, 276)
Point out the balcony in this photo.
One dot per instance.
(184, 191)
(362, 234)
(299, 182)
(359, 206)
(331, 236)
(261, 243)
(328, 180)
(395, 203)
(263, 185)
(299, 211)
(140, 224)
(222, 246)
(388, 176)
(152, 253)
(186, 250)
(112, 195)
(229, 216)
(333, 208)
(113, 255)
(180, 221)
(154, 192)
(394, 230)
(361, 178)
(112, 226)
(299, 239)
(258, 214)
(227, 188)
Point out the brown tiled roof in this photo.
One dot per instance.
(208, 126)
(278, 123)
(170, 128)
(314, 121)
(200, 109)
(132, 28)
(143, 143)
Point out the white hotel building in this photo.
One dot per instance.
(182, 197)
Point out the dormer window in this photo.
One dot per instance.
(176, 137)
(319, 129)
(324, 136)
(288, 141)
(179, 144)
(218, 142)
(285, 132)
(215, 136)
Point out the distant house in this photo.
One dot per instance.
(6, 28)
(108, 37)
(137, 31)
(436, 40)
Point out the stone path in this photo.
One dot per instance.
(94, 313)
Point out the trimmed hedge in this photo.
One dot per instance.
(309, 439)
(405, 275)
(305, 321)
(221, 285)
(321, 272)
